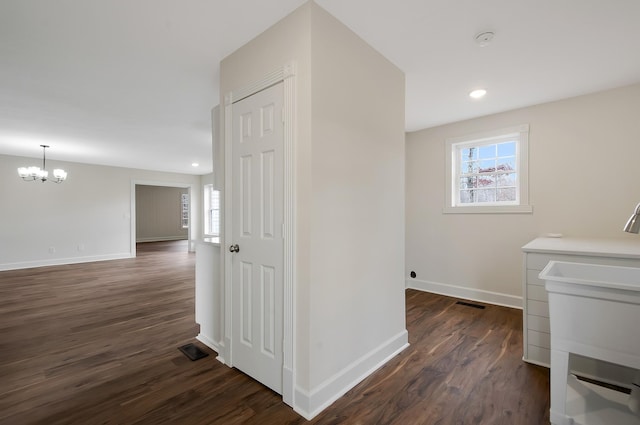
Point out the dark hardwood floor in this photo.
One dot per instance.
(97, 343)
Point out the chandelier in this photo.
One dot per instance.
(35, 173)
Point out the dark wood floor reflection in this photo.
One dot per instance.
(96, 343)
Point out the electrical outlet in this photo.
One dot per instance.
(52, 250)
(80, 247)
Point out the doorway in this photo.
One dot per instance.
(285, 76)
(191, 234)
(162, 213)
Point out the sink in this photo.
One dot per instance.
(594, 311)
(593, 275)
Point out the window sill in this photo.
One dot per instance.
(490, 209)
(213, 240)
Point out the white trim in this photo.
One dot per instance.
(310, 404)
(132, 218)
(289, 266)
(471, 294)
(162, 238)
(521, 206)
(192, 237)
(213, 345)
(287, 75)
(489, 134)
(208, 342)
(63, 261)
(489, 209)
(226, 228)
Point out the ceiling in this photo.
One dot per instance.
(132, 83)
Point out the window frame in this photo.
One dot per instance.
(209, 191)
(184, 210)
(452, 149)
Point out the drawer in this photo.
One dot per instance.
(538, 323)
(538, 308)
(539, 339)
(537, 293)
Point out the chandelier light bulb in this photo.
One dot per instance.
(35, 173)
(59, 174)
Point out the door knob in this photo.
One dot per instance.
(234, 248)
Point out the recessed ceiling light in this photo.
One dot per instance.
(195, 164)
(477, 94)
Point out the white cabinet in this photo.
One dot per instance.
(537, 253)
(594, 312)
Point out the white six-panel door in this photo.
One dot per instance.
(257, 265)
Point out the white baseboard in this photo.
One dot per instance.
(213, 345)
(62, 261)
(472, 294)
(287, 386)
(208, 342)
(162, 239)
(310, 404)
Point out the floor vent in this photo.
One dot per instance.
(193, 352)
(481, 307)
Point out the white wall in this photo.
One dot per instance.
(583, 155)
(159, 213)
(209, 313)
(357, 209)
(209, 295)
(86, 218)
(349, 288)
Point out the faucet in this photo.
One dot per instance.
(633, 224)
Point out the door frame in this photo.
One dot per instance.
(192, 233)
(285, 74)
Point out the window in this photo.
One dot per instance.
(488, 173)
(184, 210)
(211, 211)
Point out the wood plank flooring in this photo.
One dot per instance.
(96, 343)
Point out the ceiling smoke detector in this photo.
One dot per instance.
(484, 38)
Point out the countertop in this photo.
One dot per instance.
(625, 247)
